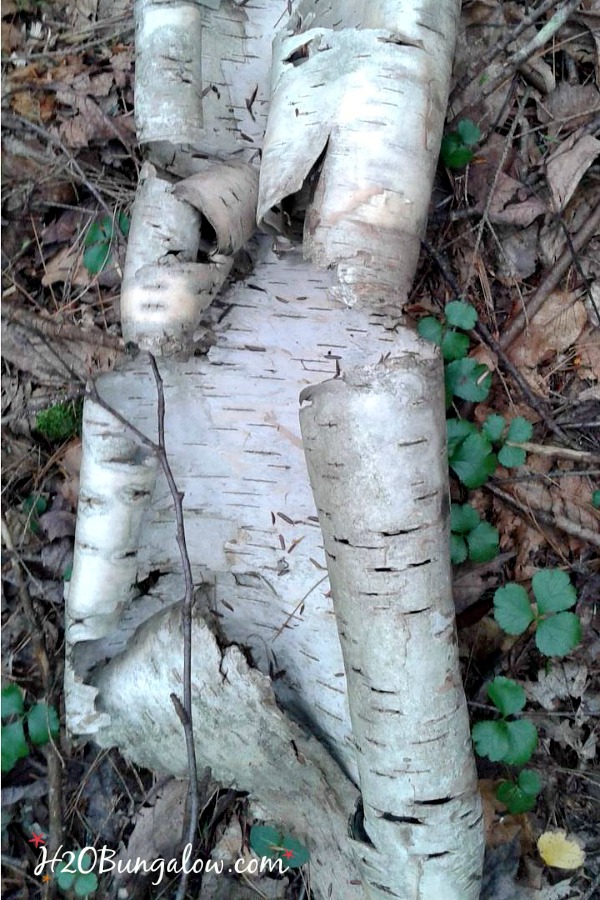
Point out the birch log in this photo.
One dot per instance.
(357, 94)
(376, 454)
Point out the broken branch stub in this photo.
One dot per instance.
(375, 449)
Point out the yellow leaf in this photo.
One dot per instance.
(559, 851)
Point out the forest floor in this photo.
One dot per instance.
(514, 230)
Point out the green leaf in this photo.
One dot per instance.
(529, 781)
(14, 745)
(493, 428)
(463, 518)
(521, 796)
(472, 460)
(483, 542)
(454, 152)
(522, 738)
(558, 634)
(68, 573)
(99, 232)
(468, 132)
(460, 314)
(268, 841)
(596, 499)
(457, 430)
(12, 701)
(511, 457)
(431, 329)
(86, 884)
(512, 609)
(519, 430)
(96, 257)
(553, 591)
(455, 345)
(35, 505)
(123, 224)
(491, 740)
(506, 695)
(42, 721)
(64, 879)
(468, 379)
(263, 840)
(458, 549)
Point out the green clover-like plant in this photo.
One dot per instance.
(454, 344)
(521, 795)
(36, 725)
(471, 538)
(82, 882)
(506, 739)
(274, 844)
(456, 150)
(518, 432)
(557, 631)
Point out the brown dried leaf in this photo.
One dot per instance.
(555, 327)
(568, 106)
(567, 166)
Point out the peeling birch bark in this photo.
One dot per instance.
(376, 454)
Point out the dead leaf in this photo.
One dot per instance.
(567, 166)
(557, 684)
(555, 327)
(560, 851)
(158, 828)
(568, 106)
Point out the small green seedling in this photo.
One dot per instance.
(40, 720)
(99, 241)
(60, 422)
(521, 795)
(519, 431)
(274, 844)
(508, 740)
(557, 631)
(596, 499)
(456, 150)
(465, 378)
(454, 344)
(76, 876)
(470, 536)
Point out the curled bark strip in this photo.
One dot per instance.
(164, 289)
(375, 451)
(348, 78)
(226, 194)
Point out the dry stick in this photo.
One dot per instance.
(184, 711)
(536, 43)
(539, 515)
(496, 49)
(537, 300)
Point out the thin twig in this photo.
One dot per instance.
(500, 47)
(536, 515)
(183, 710)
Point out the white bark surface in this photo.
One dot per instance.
(344, 133)
(375, 449)
(241, 731)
